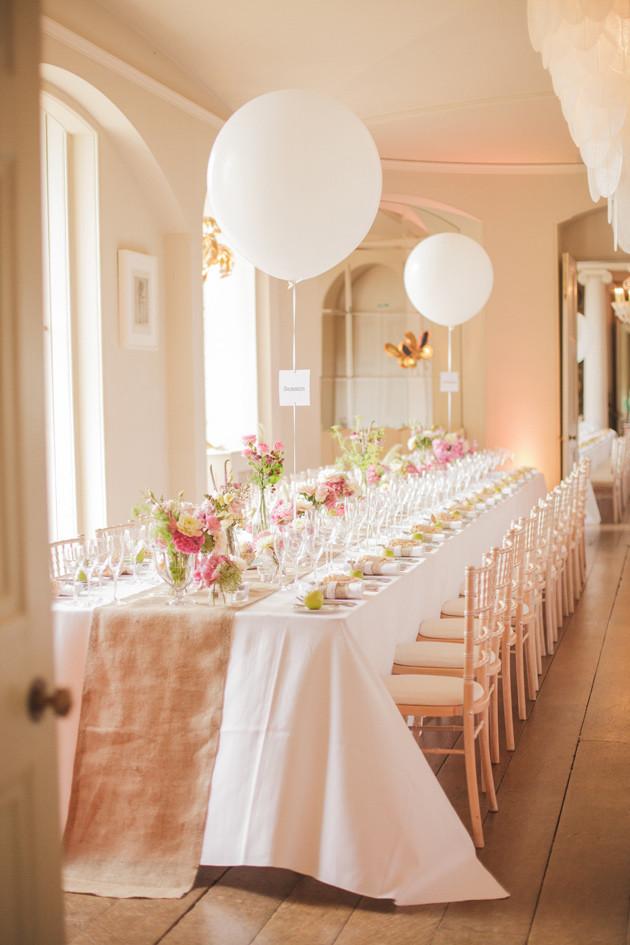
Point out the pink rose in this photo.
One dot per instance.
(264, 448)
(248, 440)
(249, 454)
(278, 446)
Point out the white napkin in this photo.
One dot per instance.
(415, 551)
(383, 567)
(343, 590)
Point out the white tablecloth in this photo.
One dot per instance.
(599, 452)
(316, 770)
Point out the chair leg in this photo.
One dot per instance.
(540, 626)
(549, 617)
(566, 587)
(506, 691)
(583, 558)
(558, 605)
(570, 583)
(471, 781)
(495, 750)
(519, 661)
(532, 675)
(486, 763)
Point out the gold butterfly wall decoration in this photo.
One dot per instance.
(410, 350)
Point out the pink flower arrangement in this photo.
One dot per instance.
(228, 504)
(339, 487)
(266, 463)
(221, 571)
(180, 526)
(452, 446)
(375, 473)
(283, 512)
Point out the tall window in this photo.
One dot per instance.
(76, 488)
(230, 355)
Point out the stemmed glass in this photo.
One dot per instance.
(140, 551)
(118, 556)
(76, 564)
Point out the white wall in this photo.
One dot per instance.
(153, 154)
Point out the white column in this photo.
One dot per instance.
(349, 346)
(596, 312)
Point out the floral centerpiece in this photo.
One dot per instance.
(328, 494)
(375, 473)
(267, 466)
(359, 448)
(179, 531)
(451, 446)
(220, 574)
(283, 513)
(229, 504)
(422, 438)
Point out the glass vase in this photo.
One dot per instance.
(176, 570)
(260, 515)
(232, 543)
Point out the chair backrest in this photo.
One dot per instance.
(504, 586)
(63, 555)
(114, 531)
(479, 601)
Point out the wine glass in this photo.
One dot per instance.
(115, 560)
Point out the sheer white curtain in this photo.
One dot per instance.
(72, 322)
(230, 355)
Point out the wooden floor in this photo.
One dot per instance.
(560, 842)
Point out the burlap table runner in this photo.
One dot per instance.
(147, 742)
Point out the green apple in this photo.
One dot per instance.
(314, 600)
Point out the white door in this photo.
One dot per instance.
(569, 364)
(30, 898)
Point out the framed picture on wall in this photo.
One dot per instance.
(137, 300)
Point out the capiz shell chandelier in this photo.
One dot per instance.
(585, 45)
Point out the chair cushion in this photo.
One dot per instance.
(454, 607)
(431, 654)
(449, 628)
(414, 689)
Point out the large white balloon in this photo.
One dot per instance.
(448, 278)
(295, 183)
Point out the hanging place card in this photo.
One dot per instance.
(449, 382)
(294, 388)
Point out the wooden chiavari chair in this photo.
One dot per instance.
(441, 697)
(62, 555)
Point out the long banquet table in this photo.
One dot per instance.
(316, 770)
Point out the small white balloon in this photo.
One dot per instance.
(295, 183)
(448, 278)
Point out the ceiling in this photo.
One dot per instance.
(454, 80)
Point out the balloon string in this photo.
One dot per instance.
(292, 287)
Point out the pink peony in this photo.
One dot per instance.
(187, 544)
(249, 439)
(278, 446)
(264, 448)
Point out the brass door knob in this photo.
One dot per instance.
(60, 700)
